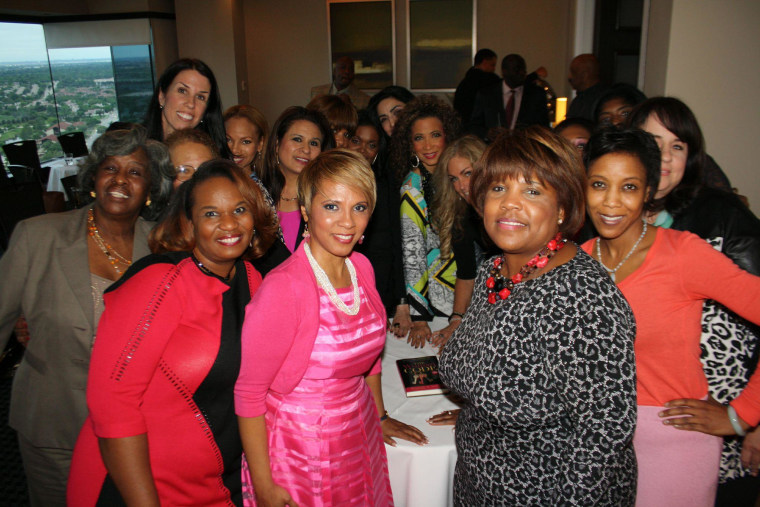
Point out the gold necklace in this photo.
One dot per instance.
(108, 250)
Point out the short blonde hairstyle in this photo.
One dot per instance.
(340, 166)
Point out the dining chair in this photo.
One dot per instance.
(73, 143)
(76, 198)
(18, 201)
(25, 153)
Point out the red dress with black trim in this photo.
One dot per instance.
(165, 361)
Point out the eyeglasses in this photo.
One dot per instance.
(184, 172)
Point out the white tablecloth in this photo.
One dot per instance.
(58, 170)
(420, 475)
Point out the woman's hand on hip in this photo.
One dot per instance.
(706, 416)
(395, 428)
(419, 335)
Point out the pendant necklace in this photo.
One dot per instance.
(111, 254)
(324, 281)
(630, 252)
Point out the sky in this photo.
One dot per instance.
(21, 42)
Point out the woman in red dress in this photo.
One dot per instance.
(162, 428)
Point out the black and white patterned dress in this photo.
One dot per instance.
(548, 379)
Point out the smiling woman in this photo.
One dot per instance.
(141, 431)
(543, 315)
(186, 96)
(666, 276)
(297, 137)
(55, 271)
(317, 386)
(424, 128)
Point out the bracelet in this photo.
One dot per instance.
(455, 314)
(384, 416)
(402, 301)
(735, 421)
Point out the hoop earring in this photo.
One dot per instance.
(415, 161)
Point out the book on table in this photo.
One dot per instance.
(420, 376)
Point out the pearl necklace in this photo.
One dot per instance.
(324, 281)
(630, 252)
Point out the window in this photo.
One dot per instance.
(45, 93)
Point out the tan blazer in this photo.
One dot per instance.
(45, 275)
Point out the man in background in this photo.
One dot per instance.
(343, 84)
(509, 104)
(480, 75)
(584, 78)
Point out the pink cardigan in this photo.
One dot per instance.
(281, 324)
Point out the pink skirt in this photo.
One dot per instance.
(676, 467)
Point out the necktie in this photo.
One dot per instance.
(510, 108)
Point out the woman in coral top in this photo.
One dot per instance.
(162, 429)
(308, 397)
(666, 276)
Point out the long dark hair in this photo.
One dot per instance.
(680, 120)
(271, 177)
(211, 123)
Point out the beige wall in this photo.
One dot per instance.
(205, 30)
(287, 44)
(712, 50)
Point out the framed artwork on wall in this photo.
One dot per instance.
(365, 31)
(440, 42)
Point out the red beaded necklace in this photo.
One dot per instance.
(500, 287)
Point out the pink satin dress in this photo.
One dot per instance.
(325, 441)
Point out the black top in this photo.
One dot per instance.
(468, 244)
(464, 97)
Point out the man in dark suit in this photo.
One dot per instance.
(522, 101)
(480, 75)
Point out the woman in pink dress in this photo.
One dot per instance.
(308, 397)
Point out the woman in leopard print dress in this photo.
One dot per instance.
(544, 356)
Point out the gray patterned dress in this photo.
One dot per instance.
(548, 379)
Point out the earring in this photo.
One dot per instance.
(92, 194)
(560, 221)
(306, 234)
(361, 240)
(161, 106)
(415, 161)
(148, 202)
(374, 160)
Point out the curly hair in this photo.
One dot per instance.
(175, 234)
(117, 143)
(211, 123)
(271, 176)
(424, 106)
(447, 206)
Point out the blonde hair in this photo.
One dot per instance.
(447, 205)
(340, 166)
